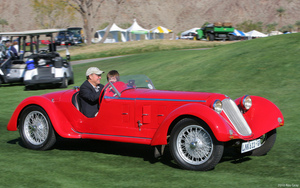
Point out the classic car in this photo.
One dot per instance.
(195, 125)
(34, 66)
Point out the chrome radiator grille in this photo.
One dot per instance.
(236, 118)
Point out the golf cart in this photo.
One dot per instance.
(34, 66)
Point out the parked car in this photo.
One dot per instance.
(72, 36)
(64, 38)
(35, 66)
(195, 125)
(78, 36)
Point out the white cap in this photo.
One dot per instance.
(93, 70)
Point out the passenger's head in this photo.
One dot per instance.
(8, 43)
(113, 76)
(93, 75)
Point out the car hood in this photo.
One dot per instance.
(187, 96)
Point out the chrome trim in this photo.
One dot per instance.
(149, 99)
(236, 118)
(111, 135)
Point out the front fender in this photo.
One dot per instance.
(217, 123)
(263, 116)
(60, 123)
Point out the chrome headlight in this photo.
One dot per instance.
(247, 102)
(218, 107)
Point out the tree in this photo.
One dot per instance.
(3, 22)
(280, 13)
(297, 24)
(52, 13)
(290, 27)
(249, 26)
(271, 27)
(88, 10)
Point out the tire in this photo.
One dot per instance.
(194, 147)
(210, 37)
(36, 129)
(230, 37)
(64, 83)
(267, 141)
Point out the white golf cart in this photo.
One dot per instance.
(34, 66)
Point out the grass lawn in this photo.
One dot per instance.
(267, 67)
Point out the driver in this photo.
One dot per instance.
(90, 91)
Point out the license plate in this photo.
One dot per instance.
(251, 145)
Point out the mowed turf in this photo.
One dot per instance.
(267, 67)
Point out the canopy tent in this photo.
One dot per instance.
(137, 30)
(160, 31)
(113, 34)
(255, 33)
(189, 33)
(272, 33)
(239, 33)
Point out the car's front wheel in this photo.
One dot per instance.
(36, 129)
(194, 147)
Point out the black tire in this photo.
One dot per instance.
(231, 37)
(210, 37)
(267, 141)
(36, 129)
(194, 147)
(64, 83)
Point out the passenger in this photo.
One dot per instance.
(90, 91)
(113, 76)
(12, 52)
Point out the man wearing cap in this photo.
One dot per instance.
(90, 91)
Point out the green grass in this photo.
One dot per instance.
(267, 67)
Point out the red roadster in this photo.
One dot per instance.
(196, 125)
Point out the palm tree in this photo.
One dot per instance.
(280, 13)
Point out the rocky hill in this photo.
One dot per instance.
(178, 15)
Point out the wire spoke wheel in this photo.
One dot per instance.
(36, 129)
(194, 145)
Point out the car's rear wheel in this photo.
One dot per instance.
(36, 129)
(64, 83)
(267, 142)
(194, 147)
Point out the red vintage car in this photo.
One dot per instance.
(196, 125)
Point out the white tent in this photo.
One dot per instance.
(188, 34)
(272, 33)
(136, 30)
(255, 33)
(113, 34)
(160, 31)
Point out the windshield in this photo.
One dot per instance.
(129, 82)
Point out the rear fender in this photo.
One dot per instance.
(263, 116)
(217, 123)
(61, 125)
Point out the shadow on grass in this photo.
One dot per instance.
(116, 148)
(132, 150)
(233, 156)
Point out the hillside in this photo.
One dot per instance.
(178, 15)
